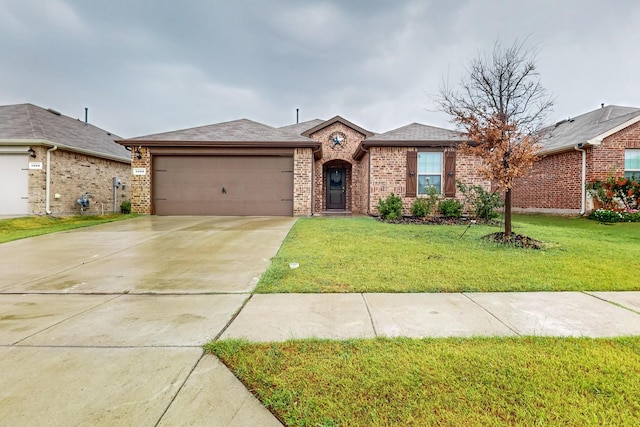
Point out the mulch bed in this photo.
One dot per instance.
(517, 240)
(435, 220)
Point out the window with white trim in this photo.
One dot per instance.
(429, 171)
(632, 163)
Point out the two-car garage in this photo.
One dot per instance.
(222, 185)
(232, 168)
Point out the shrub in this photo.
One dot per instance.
(450, 208)
(616, 193)
(487, 203)
(125, 207)
(391, 207)
(482, 203)
(425, 206)
(609, 215)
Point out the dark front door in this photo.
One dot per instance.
(336, 188)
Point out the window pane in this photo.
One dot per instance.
(632, 159)
(429, 163)
(425, 181)
(635, 175)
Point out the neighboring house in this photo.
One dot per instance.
(248, 168)
(48, 161)
(594, 146)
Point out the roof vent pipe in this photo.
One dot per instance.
(86, 115)
(602, 105)
(297, 115)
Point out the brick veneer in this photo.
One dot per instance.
(340, 156)
(73, 174)
(554, 183)
(389, 171)
(141, 184)
(302, 181)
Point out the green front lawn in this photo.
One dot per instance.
(471, 382)
(21, 228)
(365, 255)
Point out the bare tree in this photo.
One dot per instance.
(500, 105)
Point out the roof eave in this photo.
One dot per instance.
(221, 144)
(364, 146)
(43, 142)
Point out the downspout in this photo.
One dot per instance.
(583, 208)
(47, 197)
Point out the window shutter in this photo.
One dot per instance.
(412, 173)
(450, 174)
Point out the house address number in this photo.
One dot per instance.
(139, 171)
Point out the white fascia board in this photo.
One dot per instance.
(43, 142)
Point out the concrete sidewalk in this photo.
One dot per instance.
(279, 317)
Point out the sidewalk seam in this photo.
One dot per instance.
(610, 302)
(491, 314)
(233, 317)
(180, 388)
(366, 304)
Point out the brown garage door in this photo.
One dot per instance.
(223, 185)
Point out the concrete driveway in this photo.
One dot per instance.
(104, 325)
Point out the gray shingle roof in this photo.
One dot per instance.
(565, 134)
(28, 121)
(299, 128)
(242, 130)
(418, 132)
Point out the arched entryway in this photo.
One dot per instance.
(337, 185)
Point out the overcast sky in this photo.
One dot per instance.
(145, 67)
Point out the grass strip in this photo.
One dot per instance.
(21, 228)
(449, 382)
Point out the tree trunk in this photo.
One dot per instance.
(507, 213)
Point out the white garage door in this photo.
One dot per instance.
(14, 184)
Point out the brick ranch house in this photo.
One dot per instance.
(593, 146)
(48, 160)
(247, 168)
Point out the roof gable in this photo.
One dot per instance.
(416, 132)
(30, 122)
(588, 128)
(337, 119)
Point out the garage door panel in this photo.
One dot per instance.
(223, 185)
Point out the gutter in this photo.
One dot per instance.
(47, 203)
(43, 142)
(579, 147)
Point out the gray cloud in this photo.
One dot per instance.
(152, 66)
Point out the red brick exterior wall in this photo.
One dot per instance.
(608, 158)
(340, 156)
(554, 184)
(389, 174)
